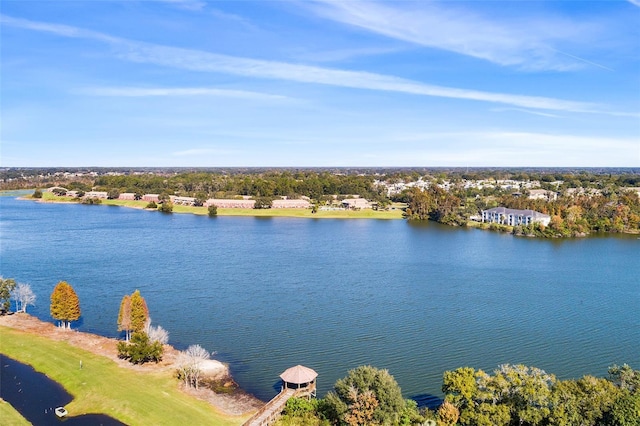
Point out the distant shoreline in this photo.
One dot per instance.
(202, 211)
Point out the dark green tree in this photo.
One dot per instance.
(263, 203)
(166, 207)
(420, 204)
(368, 382)
(581, 402)
(6, 287)
(140, 349)
(212, 210)
(625, 411)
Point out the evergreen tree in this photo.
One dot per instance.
(139, 312)
(65, 305)
(6, 287)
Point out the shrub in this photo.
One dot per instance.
(140, 349)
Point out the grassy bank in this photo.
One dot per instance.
(395, 213)
(10, 417)
(101, 386)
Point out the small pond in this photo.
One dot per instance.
(36, 396)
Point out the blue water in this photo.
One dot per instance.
(267, 294)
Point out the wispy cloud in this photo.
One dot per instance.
(197, 60)
(193, 5)
(453, 27)
(514, 149)
(346, 54)
(183, 91)
(635, 2)
(526, 111)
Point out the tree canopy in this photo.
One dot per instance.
(367, 393)
(6, 287)
(133, 315)
(65, 305)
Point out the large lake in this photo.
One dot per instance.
(267, 294)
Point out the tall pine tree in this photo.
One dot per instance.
(65, 305)
(139, 312)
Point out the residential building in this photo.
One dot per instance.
(356, 203)
(513, 217)
(542, 194)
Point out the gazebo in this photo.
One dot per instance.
(300, 378)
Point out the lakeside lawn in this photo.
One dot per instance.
(101, 386)
(10, 417)
(394, 213)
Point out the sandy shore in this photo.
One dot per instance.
(232, 403)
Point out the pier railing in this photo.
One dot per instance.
(273, 409)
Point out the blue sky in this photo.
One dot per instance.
(305, 83)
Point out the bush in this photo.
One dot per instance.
(91, 201)
(140, 349)
(213, 210)
(166, 207)
(151, 205)
(37, 193)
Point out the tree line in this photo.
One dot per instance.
(600, 203)
(513, 395)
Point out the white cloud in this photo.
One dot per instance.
(528, 43)
(346, 54)
(197, 60)
(526, 111)
(183, 91)
(487, 148)
(635, 2)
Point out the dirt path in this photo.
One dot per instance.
(236, 402)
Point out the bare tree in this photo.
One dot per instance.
(157, 333)
(24, 296)
(190, 364)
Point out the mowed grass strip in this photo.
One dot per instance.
(101, 386)
(10, 417)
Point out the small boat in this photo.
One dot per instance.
(61, 412)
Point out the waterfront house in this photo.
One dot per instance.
(183, 201)
(127, 196)
(151, 197)
(290, 204)
(96, 194)
(355, 203)
(230, 203)
(513, 217)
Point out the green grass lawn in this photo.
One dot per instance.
(101, 386)
(10, 417)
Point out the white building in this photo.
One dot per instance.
(513, 217)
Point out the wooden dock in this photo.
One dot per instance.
(298, 381)
(268, 414)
